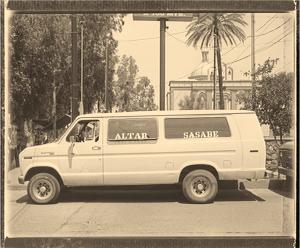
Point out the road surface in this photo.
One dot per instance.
(154, 212)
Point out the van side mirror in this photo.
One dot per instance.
(72, 139)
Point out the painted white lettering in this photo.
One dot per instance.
(131, 135)
(216, 133)
(118, 137)
(144, 135)
(186, 135)
(209, 134)
(203, 135)
(191, 136)
(137, 136)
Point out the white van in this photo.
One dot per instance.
(194, 148)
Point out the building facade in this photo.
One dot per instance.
(199, 88)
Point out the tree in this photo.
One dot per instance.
(97, 34)
(38, 47)
(273, 98)
(193, 101)
(124, 85)
(144, 96)
(216, 28)
(41, 45)
(129, 95)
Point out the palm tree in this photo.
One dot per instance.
(216, 28)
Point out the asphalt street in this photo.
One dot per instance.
(110, 212)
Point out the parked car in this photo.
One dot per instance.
(286, 163)
(194, 149)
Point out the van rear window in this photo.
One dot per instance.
(202, 127)
(132, 129)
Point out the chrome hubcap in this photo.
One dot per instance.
(200, 186)
(42, 189)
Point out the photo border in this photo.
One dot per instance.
(144, 6)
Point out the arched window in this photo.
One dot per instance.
(229, 73)
(227, 100)
(200, 101)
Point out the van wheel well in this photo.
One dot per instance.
(190, 168)
(42, 169)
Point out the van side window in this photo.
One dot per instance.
(85, 131)
(134, 129)
(202, 127)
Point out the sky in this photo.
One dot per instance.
(140, 39)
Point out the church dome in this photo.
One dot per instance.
(206, 70)
(203, 72)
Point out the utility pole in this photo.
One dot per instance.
(54, 106)
(163, 18)
(162, 63)
(106, 76)
(253, 61)
(74, 84)
(214, 78)
(81, 106)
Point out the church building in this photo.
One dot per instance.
(199, 88)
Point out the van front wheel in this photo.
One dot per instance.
(200, 186)
(43, 188)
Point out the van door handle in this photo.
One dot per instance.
(96, 148)
(253, 150)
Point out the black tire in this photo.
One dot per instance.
(200, 186)
(43, 188)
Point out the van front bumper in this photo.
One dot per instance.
(21, 179)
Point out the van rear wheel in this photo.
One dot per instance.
(43, 188)
(200, 186)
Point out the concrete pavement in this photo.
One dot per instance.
(254, 210)
(97, 213)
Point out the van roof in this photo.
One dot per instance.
(167, 113)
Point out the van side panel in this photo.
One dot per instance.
(222, 153)
(254, 149)
(161, 161)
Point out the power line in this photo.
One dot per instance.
(266, 22)
(237, 60)
(149, 38)
(259, 44)
(259, 50)
(172, 35)
(259, 35)
(181, 41)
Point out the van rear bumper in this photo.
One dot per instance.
(241, 174)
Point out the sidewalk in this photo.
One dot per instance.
(13, 184)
